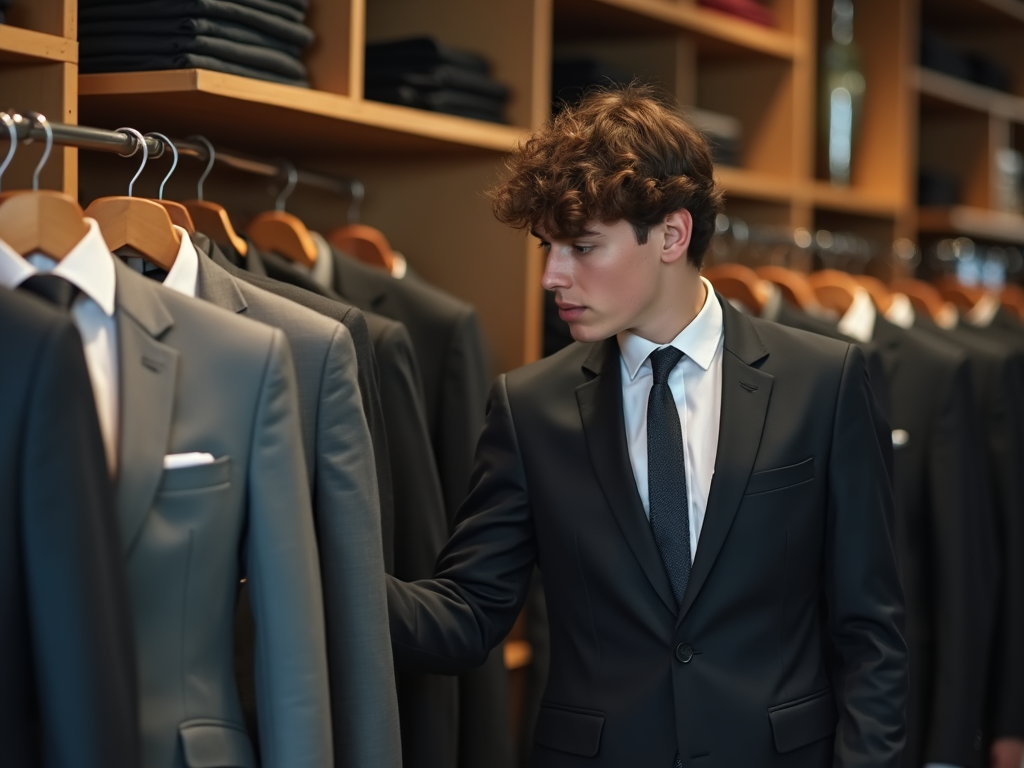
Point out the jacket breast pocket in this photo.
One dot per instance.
(782, 477)
(798, 723)
(569, 729)
(196, 478)
(210, 743)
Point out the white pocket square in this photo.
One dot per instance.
(183, 460)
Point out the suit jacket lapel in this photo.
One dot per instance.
(214, 283)
(600, 404)
(148, 376)
(746, 391)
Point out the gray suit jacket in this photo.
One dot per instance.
(343, 486)
(195, 378)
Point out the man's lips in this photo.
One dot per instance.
(570, 312)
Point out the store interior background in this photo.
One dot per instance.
(934, 184)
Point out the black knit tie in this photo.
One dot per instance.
(666, 474)
(53, 288)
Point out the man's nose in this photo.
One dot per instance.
(556, 272)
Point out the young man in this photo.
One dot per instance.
(707, 495)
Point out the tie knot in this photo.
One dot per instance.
(663, 361)
(54, 288)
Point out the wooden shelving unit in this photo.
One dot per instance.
(939, 90)
(978, 223)
(26, 46)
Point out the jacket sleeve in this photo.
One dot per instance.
(449, 623)
(864, 599)
(363, 702)
(284, 580)
(79, 610)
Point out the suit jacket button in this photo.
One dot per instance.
(684, 652)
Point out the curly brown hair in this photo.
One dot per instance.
(619, 155)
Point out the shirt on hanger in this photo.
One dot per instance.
(90, 267)
(859, 320)
(901, 311)
(696, 384)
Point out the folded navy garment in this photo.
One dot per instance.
(4, 5)
(422, 51)
(140, 63)
(284, 29)
(190, 27)
(280, 8)
(436, 77)
(226, 50)
(448, 101)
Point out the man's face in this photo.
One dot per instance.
(604, 281)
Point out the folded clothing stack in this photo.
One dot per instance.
(724, 134)
(4, 5)
(420, 72)
(940, 55)
(751, 10)
(572, 76)
(263, 39)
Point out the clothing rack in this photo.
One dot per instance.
(126, 145)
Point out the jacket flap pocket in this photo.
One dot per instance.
(804, 721)
(197, 477)
(215, 744)
(774, 479)
(567, 729)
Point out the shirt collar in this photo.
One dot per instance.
(88, 266)
(322, 270)
(984, 312)
(698, 341)
(859, 320)
(184, 273)
(901, 311)
(773, 305)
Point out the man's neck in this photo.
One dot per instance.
(664, 328)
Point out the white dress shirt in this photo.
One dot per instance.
(696, 385)
(858, 322)
(90, 267)
(183, 276)
(901, 311)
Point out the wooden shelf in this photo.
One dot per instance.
(937, 88)
(974, 12)
(252, 115)
(830, 197)
(972, 222)
(26, 45)
(715, 32)
(749, 185)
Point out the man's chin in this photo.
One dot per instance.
(587, 334)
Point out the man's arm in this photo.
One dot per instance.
(862, 586)
(448, 624)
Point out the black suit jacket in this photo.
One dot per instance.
(67, 648)
(786, 650)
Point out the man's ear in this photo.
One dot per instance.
(678, 229)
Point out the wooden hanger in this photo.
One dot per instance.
(282, 232)
(367, 244)
(925, 298)
(963, 296)
(794, 286)
(1012, 298)
(39, 221)
(739, 283)
(210, 218)
(879, 292)
(137, 223)
(834, 289)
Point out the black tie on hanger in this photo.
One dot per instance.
(53, 288)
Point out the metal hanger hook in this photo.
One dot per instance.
(355, 204)
(12, 130)
(36, 117)
(174, 164)
(140, 142)
(209, 163)
(293, 180)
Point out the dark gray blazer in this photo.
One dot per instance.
(67, 653)
(343, 487)
(786, 651)
(196, 378)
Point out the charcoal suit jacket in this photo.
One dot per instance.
(67, 654)
(343, 488)
(786, 650)
(195, 378)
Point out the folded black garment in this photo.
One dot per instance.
(939, 55)
(424, 52)
(988, 72)
(937, 188)
(278, 8)
(447, 101)
(437, 77)
(143, 63)
(225, 30)
(570, 79)
(285, 29)
(226, 50)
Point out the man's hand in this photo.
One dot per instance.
(1007, 753)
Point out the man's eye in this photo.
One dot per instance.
(583, 248)
(544, 246)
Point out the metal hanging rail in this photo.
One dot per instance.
(126, 145)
